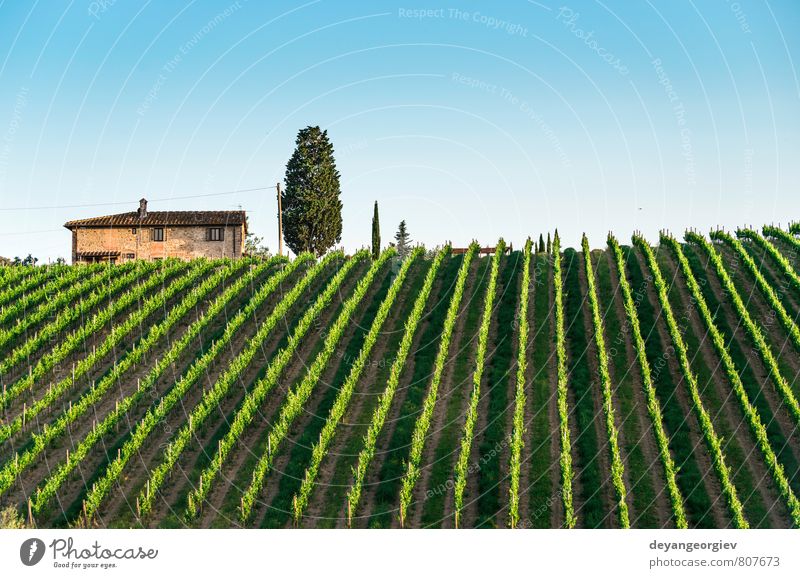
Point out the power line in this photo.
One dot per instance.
(42, 208)
(30, 232)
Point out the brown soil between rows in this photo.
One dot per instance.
(447, 389)
(647, 439)
(82, 385)
(735, 417)
(504, 487)
(558, 514)
(80, 428)
(220, 420)
(604, 444)
(51, 288)
(283, 455)
(789, 251)
(336, 451)
(121, 499)
(615, 383)
(469, 512)
(722, 518)
(763, 314)
(63, 369)
(89, 280)
(574, 432)
(465, 392)
(784, 288)
(528, 415)
(357, 418)
(780, 412)
(382, 447)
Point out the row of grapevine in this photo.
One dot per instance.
(518, 427)
(214, 395)
(300, 501)
(424, 420)
(763, 285)
(653, 405)
(565, 459)
(385, 400)
(40, 440)
(783, 263)
(74, 340)
(49, 488)
(752, 329)
(617, 467)
(198, 369)
(461, 468)
(794, 228)
(706, 426)
(29, 306)
(732, 372)
(118, 335)
(296, 398)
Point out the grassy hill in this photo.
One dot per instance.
(633, 386)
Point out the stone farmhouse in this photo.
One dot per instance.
(154, 235)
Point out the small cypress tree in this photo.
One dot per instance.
(541, 243)
(403, 240)
(549, 244)
(312, 210)
(376, 233)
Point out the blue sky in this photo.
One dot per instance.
(466, 119)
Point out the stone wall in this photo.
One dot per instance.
(179, 242)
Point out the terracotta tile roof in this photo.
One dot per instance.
(164, 218)
(99, 254)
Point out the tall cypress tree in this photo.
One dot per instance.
(312, 210)
(541, 243)
(376, 233)
(549, 244)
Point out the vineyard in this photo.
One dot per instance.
(637, 386)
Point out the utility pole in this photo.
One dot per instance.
(280, 222)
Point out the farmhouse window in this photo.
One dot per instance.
(129, 255)
(158, 234)
(214, 234)
(133, 231)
